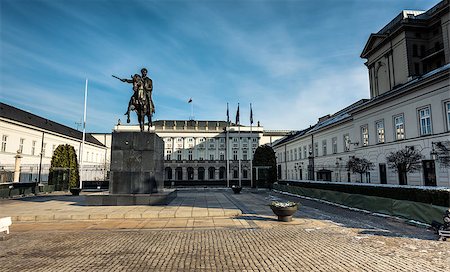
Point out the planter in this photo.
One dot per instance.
(75, 191)
(236, 189)
(284, 213)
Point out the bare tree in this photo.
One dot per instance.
(443, 153)
(407, 160)
(358, 165)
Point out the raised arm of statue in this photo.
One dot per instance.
(123, 79)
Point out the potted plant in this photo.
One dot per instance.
(284, 210)
(236, 189)
(75, 191)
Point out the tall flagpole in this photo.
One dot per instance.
(240, 152)
(227, 148)
(84, 134)
(251, 146)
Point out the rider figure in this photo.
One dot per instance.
(148, 88)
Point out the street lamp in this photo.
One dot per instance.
(433, 153)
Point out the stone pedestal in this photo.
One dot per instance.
(137, 172)
(137, 163)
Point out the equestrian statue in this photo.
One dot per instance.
(141, 101)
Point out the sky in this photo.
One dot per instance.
(295, 61)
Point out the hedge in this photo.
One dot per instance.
(428, 195)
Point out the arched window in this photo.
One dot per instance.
(201, 173)
(382, 79)
(179, 173)
(168, 173)
(190, 173)
(222, 171)
(211, 173)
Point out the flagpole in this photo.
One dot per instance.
(240, 152)
(84, 134)
(251, 147)
(227, 151)
(192, 110)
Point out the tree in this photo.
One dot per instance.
(358, 165)
(65, 159)
(407, 160)
(265, 156)
(443, 153)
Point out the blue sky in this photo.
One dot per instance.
(293, 60)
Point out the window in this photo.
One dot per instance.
(447, 110)
(365, 135)
(33, 147)
(299, 153)
(244, 155)
(222, 156)
(201, 155)
(305, 154)
(211, 157)
(425, 121)
(399, 127)
(53, 149)
(346, 142)
(245, 173)
(290, 155)
(235, 155)
(222, 140)
(379, 127)
(316, 149)
(44, 146)
(22, 140)
(190, 155)
(179, 155)
(4, 140)
(235, 174)
(295, 154)
(324, 147)
(334, 145)
(169, 155)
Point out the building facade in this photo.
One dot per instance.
(28, 142)
(200, 152)
(409, 107)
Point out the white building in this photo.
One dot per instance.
(34, 139)
(198, 150)
(409, 107)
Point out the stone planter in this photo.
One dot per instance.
(284, 213)
(75, 191)
(236, 189)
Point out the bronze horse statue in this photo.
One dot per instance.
(140, 102)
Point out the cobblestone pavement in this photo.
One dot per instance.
(321, 238)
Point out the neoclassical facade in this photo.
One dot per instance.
(200, 152)
(409, 107)
(28, 142)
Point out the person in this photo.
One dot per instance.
(148, 89)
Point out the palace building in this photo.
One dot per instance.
(199, 152)
(408, 62)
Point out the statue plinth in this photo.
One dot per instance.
(137, 163)
(137, 171)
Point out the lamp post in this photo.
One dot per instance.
(433, 153)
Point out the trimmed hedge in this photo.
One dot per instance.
(427, 195)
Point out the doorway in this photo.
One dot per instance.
(429, 172)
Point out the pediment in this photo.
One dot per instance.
(372, 42)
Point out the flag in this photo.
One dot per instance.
(190, 100)
(228, 115)
(251, 114)
(237, 115)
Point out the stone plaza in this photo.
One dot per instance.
(212, 230)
